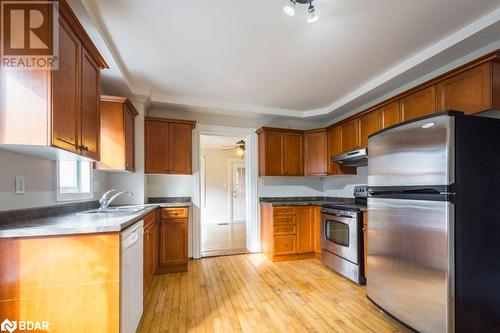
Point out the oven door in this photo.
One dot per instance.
(339, 235)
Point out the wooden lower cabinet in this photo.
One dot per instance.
(173, 240)
(317, 231)
(288, 232)
(151, 247)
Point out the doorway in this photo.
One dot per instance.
(223, 195)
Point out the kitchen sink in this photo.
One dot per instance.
(114, 210)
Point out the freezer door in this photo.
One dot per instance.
(410, 260)
(413, 154)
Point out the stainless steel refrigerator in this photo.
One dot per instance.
(434, 223)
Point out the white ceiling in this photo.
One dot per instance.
(248, 56)
(218, 142)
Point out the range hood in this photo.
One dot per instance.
(356, 158)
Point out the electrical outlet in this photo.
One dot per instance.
(20, 185)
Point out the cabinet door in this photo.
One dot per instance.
(334, 149)
(129, 140)
(273, 154)
(293, 154)
(146, 258)
(368, 125)
(90, 116)
(180, 148)
(173, 241)
(305, 229)
(285, 244)
(156, 150)
(315, 153)
(317, 229)
(66, 92)
(419, 104)
(469, 92)
(390, 115)
(349, 136)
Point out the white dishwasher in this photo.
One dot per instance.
(131, 277)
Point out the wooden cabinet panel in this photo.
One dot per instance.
(284, 230)
(175, 212)
(285, 219)
(419, 104)
(168, 146)
(305, 229)
(315, 153)
(470, 92)
(180, 148)
(285, 244)
(129, 140)
(117, 134)
(390, 115)
(334, 149)
(317, 231)
(273, 154)
(349, 136)
(156, 153)
(368, 125)
(293, 154)
(173, 244)
(90, 116)
(284, 210)
(66, 92)
(151, 248)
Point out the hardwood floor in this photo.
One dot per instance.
(223, 239)
(248, 293)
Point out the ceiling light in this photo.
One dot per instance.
(289, 9)
(313, 17)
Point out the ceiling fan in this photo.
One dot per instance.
(239, 147)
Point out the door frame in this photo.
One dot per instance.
(252, 196)
(231, 161)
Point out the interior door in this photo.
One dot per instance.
(238, 190)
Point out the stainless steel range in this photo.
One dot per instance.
(342, 236)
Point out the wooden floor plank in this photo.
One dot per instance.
(248, 293)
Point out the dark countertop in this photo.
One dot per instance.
(76, 223)
(346, 203)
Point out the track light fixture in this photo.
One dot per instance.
(289, 9)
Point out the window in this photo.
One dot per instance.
(74, 179)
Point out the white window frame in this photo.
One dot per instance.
(75, 196)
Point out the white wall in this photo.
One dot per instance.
(40, 177)
(217, 186)
(170, 185)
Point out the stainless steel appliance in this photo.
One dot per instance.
(341, 237)
(434, 223)
(354, 158)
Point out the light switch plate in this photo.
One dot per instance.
(20, 185)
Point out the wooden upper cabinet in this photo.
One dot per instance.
(66, 92)
(349, 136)
(390, 115)
(315, 153)
(90, 115)
(369, 124)
(470, 91)
(419, 104)
(58, 108)
(281, 152)
(168, 146)
(293, 164)
(334, 149)
(117, 134)
(180, 148)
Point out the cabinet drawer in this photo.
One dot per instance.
(174, 212)
(284, 244)
(285, 219)
(284, 230)
(284, 210)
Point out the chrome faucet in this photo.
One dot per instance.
(105, 200)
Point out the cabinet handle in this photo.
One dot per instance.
(284, 230)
